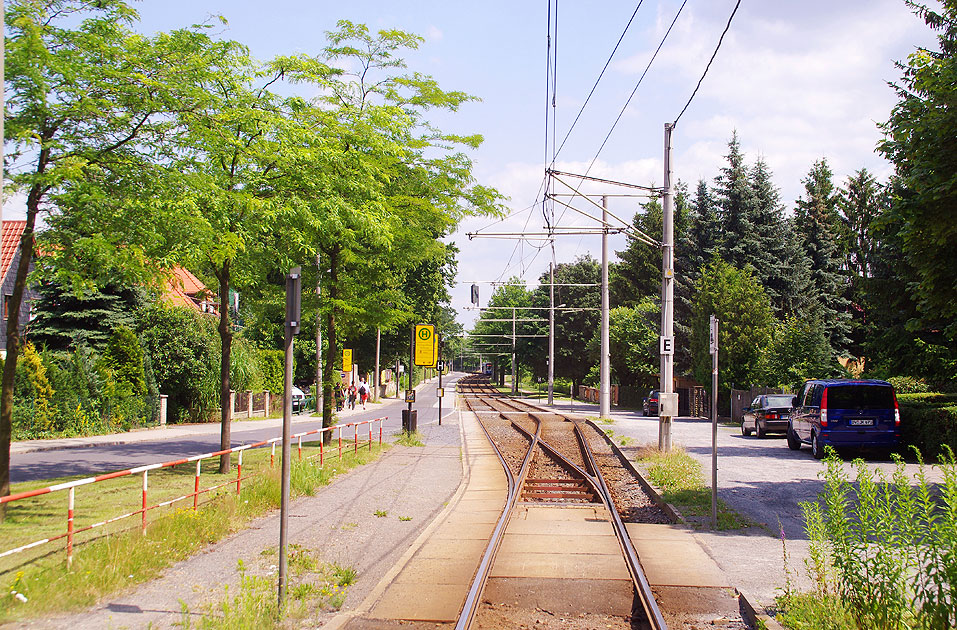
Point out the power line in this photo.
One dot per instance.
(715, 54)
(640, 79)
(600, 75)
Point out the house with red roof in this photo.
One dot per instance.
(9, 261)
(182, 288)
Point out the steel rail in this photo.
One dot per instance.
(472, 600)
(647, 597)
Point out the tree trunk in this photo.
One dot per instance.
(13, 340)
(226, 342)
(330, 366)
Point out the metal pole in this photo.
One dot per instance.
(319, 387)
(292, 327)
(551, 332)
(378, 345)
(714, 426)
(604, 407)
(667, 293)
(440, 370)
(514, 381)
(411, 363)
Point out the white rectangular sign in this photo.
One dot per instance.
(714, 334)
(666, 345)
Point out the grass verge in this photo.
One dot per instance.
(126, 558)
(680, 481)
(409, 438)
(313, 586)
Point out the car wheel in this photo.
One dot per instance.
(816, 449)
(794, 442)
(758, 429)
(744, 431)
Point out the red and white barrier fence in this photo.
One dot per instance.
(71, 486)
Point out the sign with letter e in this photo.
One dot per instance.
(666, 345)
(425, 346)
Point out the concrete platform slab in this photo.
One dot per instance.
(464, 531)
(670, 556)
(534, 543)
(438, 602)
(560, 527)
(478, 516)
(561, 566)
(603, 597)
(452, 548)
(569, 513)
(427, 570)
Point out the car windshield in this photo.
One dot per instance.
(860, 397)
(779, 401)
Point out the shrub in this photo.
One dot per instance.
(908, 384)
(184, 352)
(929, 422)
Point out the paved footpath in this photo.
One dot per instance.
(339, 523)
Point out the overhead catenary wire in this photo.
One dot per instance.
(597, 81)
(713, 55)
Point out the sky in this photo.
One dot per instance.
(797, 81)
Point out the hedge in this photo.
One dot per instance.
(928, 422)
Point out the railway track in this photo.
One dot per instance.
(549, 464)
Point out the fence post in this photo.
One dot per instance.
(69, 528)
(164, 405)
(239, 471)
(249, 405)
(196, 485)
(340, 442)
(300, 448)
(145, 486)
(380, 429)
(232, 403)
(370, 435)
(320, 449)
(266, 410)
(355, 437)
(272, 456)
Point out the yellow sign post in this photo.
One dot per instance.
(347, 360)
(425, 345)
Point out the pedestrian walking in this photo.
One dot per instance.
(363, 392)
(352, 396)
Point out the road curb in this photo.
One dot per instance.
(754, 617)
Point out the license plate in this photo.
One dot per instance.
(862, 422)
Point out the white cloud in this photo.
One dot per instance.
(434, 34)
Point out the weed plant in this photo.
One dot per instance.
(127, 558)
(678, 476)
(409, 438)
(883, 552)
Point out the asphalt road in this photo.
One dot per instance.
(93, 456)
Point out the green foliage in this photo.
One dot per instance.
(633, 339)
(272, 365)
(744, 310)
(33, 415)
(919, 141)
(64, 320)
(908, 385)
(798, 350)
(883, 547)
(929, 422)
(124, 360)
(183, 347)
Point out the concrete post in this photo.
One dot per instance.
(164, 405)
(232, 403)
(249, 405)
(667, 293)
(604, 403)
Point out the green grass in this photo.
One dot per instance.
(380, 513)
(409, 438)
(312, 585)
(112, 563)
(678, 477)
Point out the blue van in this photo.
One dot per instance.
(844, 413)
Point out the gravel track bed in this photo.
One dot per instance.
(511, 444)
(632, 502)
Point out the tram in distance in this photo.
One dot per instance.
(487, 368)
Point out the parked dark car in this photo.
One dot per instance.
(768, 413)
(649, 406)
(845, 414)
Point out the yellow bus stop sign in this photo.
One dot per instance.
(347, 360)
(425, 345)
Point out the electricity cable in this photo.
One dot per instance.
(598, 80)
(715, 54)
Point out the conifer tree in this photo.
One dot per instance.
(815, 219)
(733, 195)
